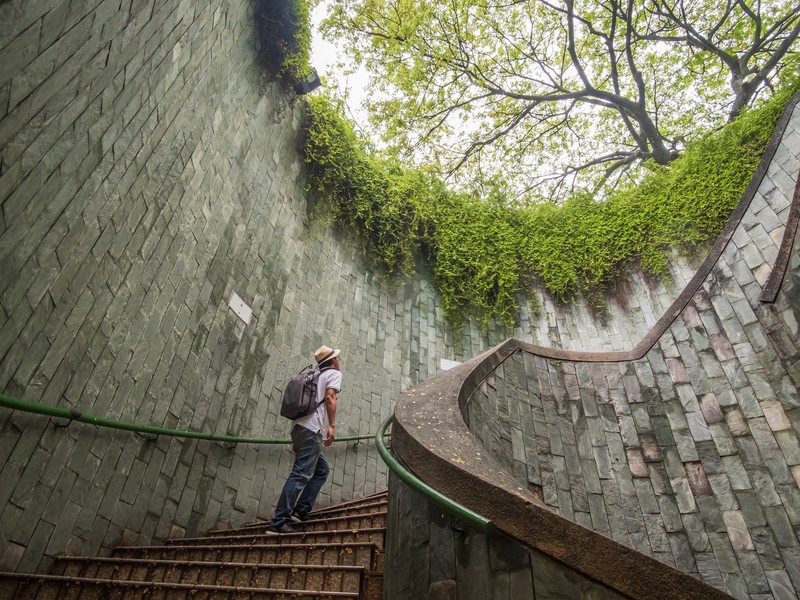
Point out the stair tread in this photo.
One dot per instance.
(337, 509)
(160, 584)
(336, 556)
(242, 546)
(276, 536)
(210, 563)
(306, 523)
(367, 553)
(354, 505)
(381, 494)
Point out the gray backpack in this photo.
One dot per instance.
(300, 394)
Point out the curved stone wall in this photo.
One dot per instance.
(439, 557)
(684, 449)
(147, 173)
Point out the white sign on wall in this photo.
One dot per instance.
(241, 309)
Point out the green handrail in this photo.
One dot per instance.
(481, 523)
(410, 479)
(75, 415)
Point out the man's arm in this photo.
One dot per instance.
(330, 408)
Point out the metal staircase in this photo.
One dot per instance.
(337, 553)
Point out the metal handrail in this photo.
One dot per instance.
(462, 512)
(75, 415)
(71, 414)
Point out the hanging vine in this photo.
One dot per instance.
(486, 252)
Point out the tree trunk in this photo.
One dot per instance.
(653, 143)
(743, 94)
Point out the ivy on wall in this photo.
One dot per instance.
(485, 252)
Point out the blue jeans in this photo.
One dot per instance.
(309, 472)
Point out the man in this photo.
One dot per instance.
(310, 469)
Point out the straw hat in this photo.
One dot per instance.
(324, 353)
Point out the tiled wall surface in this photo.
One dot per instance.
(433, 555)
(148, 172)
(691, 454)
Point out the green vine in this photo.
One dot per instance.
(485, 253)
(380, 203)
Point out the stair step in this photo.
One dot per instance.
(366, 554)
(49, 587)
(337, 578)
(337, 553)
(375, 500)
(347, 521)
(366, 534)
(373, 585)
(375, 519)
(377, 505)
(377, 496)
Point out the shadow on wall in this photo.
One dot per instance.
(283, 39)
(274, 31)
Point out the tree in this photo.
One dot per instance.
(530, 93)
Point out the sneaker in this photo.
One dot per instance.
(285, 528)
(299, 518)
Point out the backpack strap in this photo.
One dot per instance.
(321, 371)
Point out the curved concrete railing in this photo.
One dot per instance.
(431, 437)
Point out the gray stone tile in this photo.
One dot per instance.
(753, 573)
(764, 487)
(736, 586)
(790, 496)
(790, 560)
(751, 508)
(789, 445)
(780, 585)
(670, 514)
(723, 552)
(683, 496)
(767, 550)
(708, 569)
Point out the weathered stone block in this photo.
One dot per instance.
(670, 514)
(711, 514)
(723, 551)
(737, 530)
(767, 550)
(780, 585)
(712, 412)
(708, 569)
(677, 370)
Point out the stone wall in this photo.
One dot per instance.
(436, 556)
(690, 454)
(148, 172)
(630, 312)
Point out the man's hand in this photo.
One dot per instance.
(294, 449)
(329, 440)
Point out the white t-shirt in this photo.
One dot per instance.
(317, 421)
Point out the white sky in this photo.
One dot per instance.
(325, 58)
